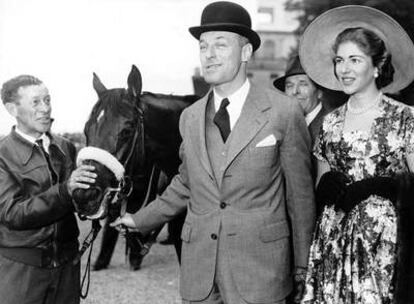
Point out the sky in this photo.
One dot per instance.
(63, 42)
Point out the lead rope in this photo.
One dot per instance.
(96, 227)
(144, 247)
(128, 235)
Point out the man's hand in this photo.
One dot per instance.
(81, 177)
(125, 220)
(298, 286)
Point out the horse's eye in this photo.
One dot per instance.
(125, 133)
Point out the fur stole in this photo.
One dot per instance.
(404, 287)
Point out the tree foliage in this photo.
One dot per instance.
(402, 10)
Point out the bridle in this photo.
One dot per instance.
(119, 195)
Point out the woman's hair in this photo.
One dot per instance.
(372, 45)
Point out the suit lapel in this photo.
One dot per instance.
(251, 121)
(205, 160)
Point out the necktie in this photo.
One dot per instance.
(39, 142)
(222, 119)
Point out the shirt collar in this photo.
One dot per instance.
(237, 100)
(311, 116)
(43, 137)
(237, 97)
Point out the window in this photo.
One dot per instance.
(268, 51)
(265, 15)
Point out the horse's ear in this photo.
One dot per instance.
(97, 85)
(134, 82)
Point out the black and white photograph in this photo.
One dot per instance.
(206, 152)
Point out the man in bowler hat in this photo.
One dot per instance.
(242, 147)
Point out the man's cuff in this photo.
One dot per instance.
(300, 273)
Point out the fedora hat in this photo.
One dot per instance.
(293, 68)
(229, 17)
(315, 47)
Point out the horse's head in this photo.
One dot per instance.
(134, 130)
(112, 132)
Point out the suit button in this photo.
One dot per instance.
(223, 205)
(213, 236)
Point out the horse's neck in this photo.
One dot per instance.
(161, 117)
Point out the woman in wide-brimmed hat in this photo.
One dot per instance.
(362, 146)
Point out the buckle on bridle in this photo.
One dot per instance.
(126, 186)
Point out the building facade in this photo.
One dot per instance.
(276, 28)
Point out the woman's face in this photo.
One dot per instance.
(354, 69)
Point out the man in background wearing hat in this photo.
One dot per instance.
(38, 229)
(242, 146)
(297, 84)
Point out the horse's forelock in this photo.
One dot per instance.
(112, 101)
(120, 125)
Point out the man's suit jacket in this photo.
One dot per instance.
(248, 208)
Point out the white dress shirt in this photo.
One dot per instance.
(311, 116)
(236, 100)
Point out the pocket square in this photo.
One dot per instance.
(267, 141)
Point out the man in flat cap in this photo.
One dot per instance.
(242, 147)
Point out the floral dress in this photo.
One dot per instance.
(352, 255)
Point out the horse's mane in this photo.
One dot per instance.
(186, 98)
(110, 101)
(168, 101)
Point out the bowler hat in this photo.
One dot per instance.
(293, 68)
(316, 54)
(229, 17)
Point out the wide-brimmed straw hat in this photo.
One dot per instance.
(229, 17)
(316, 52)
(293, 68)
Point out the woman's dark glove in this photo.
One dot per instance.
(355, 193)
(331, 186)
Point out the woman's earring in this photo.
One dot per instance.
(376, 74)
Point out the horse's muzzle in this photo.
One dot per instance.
(88, 201)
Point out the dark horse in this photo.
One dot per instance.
(141, 131)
